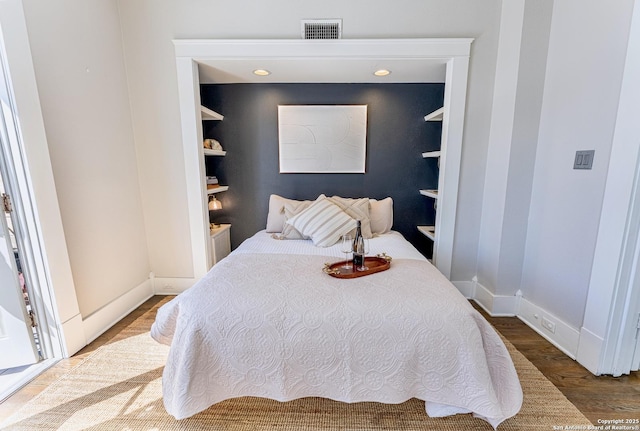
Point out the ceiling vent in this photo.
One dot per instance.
(322, 29)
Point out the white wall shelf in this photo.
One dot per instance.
(431, 193)
(210, 152)
(218, 189)
(428, 231)
(435, 115)
(208, 114)
(430, 154)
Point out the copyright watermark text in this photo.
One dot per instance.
(604, 425)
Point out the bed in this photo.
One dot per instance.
(266, 321)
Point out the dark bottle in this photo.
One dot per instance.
(358, 248)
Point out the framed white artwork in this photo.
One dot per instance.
(322, 138)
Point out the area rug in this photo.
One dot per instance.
(119, 387)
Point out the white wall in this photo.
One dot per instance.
(587, 48)
(149, 26)
(79, 66)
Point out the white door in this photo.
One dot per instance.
(17, 346)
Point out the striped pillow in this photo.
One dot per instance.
(357, 209)
(323, 221)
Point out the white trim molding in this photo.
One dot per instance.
(455, 94)
(588, 352)
(98, 322)
(74, 336)
(559, 333)
(171, 286)
(452, 52)
(436, 48)
(190, 116)
(495, 305)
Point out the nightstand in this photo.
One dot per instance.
(220, 243)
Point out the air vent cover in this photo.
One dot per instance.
(322, 29)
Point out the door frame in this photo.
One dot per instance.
(610, 316)
(19, 340)
(622, 331)
(17, 186)
(32, 257)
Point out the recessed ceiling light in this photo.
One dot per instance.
(382, 72)
(261, 72)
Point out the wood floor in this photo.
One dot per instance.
(600, 397)
(597, 397)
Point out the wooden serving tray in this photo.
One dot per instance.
(373, 264)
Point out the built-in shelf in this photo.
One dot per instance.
(210, 152)
(431, 154)
(208, 114)
(435, 115)
(428, 231)
(218, 189)
(430, 193)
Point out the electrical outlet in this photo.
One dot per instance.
(548, 325)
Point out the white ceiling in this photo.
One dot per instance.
(315, 70)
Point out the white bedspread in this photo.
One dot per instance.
(392, 243)
(274, 325)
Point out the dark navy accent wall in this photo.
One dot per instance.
(396, 137)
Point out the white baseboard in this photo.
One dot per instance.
(103, 319)
(495, 305)
(98, 322)
(564, 336)
(73, 335)
(171, 286)
(589, 350)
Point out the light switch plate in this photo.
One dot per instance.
(584, 159)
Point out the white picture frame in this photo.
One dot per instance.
(322, 138)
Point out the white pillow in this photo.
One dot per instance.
(323, 221)
(358, 209)
(381, 215)
(290, 210)
(276, 216)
